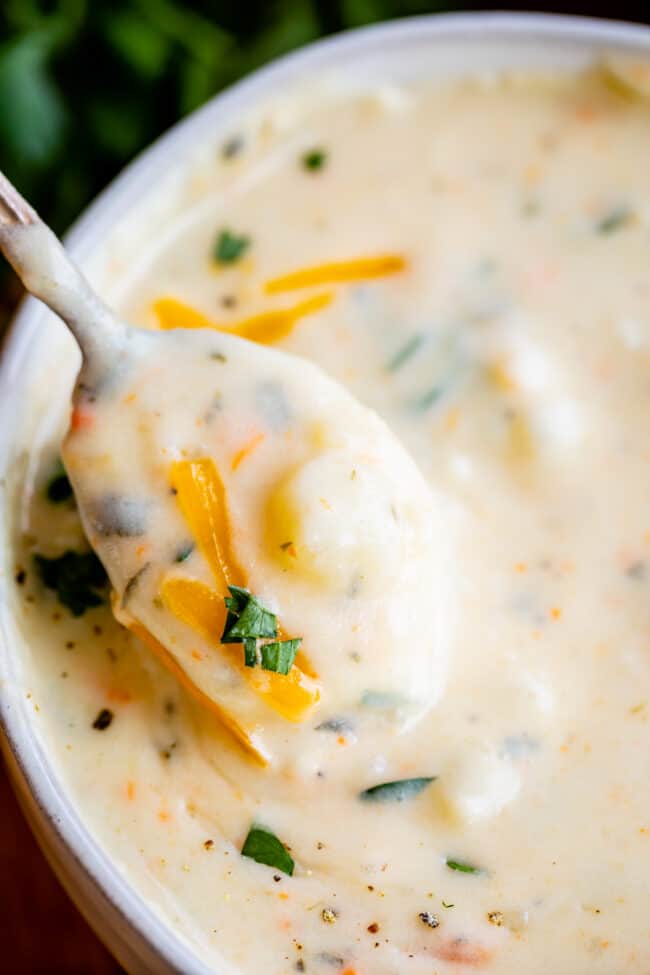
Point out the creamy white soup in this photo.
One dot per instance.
(430, 754)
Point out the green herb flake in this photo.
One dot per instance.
(406, 352)
(247, 617)
(230, 247)
(250, 653)
(462, 866)
(446, 905)
(75, 577)
(264, 847)
(279, 656)
(615, 220)
(184, 552)
(382, 700)
(314, 160)
(58, 488)
(399, 791)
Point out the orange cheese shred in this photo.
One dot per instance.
(338, 272)
(199, 607)
(265, 328)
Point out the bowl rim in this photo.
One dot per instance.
(26, 753)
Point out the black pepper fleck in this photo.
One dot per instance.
(429, 919)
(20, 577)
(103, 720)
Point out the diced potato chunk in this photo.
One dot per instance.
(479, 785)
(335, 518)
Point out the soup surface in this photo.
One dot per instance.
(472, 263)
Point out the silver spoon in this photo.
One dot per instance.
(140, 400)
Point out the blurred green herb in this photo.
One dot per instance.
(86, 85)
(230, 247)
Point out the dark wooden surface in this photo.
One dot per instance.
(41, 931)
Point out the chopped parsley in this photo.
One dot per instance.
(248, 621)
(398, 791)
(230, 247)
(75, 577)
(462, 866)
(103, 720)
(58, 488)
(615, 220)
(247, 617)
(264, 847)
(280, 655)
(314, 160)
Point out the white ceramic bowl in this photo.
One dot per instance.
(105, 240)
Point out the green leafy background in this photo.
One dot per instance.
(86, 84)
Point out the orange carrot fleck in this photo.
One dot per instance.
(463, 952)
(81, 419)
(130, 789)
(247, 450)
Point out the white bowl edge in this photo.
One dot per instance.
(135, 934)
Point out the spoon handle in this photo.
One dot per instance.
(13, 208)
(41, 263)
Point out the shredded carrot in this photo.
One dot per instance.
(265, 328)
(337, 272)
(247, 450)
(130, 789)
(81, 419)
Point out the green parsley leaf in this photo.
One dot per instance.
(250, 652)
(264, 847)
(279, 656)
(58, 487)
(398, 791)
(462, 866)
(247, 617)
(314, 160)
(75, 577)
(229, 247)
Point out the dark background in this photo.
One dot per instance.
(84, 86)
